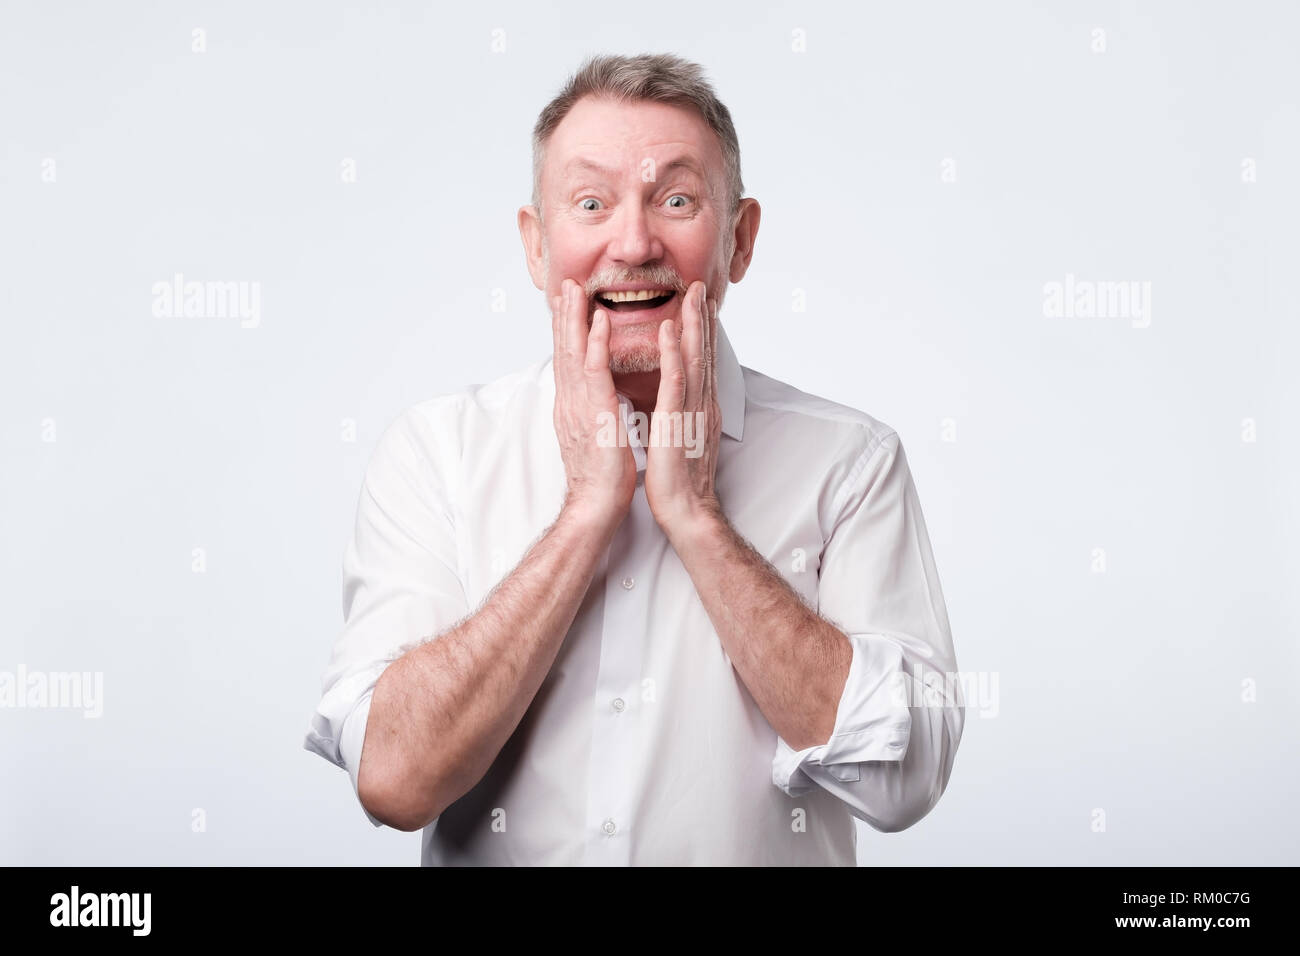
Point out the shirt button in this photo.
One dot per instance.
(608, 827)
(628, 583)
(619, 704)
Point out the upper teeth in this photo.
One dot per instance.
(636, 296)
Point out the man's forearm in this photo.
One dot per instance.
(794, 663)
(441, 713)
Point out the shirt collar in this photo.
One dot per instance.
(731, 387)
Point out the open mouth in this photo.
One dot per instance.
(640, 301)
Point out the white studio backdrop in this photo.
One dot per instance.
(1110, 488)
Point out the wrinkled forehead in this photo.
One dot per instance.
(602, 136)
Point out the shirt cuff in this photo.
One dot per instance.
(351, 742)
(338, 727)
(872, 721)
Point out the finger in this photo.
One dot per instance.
(557, 339)
(600, 381)
(713, 348)
(562, 355)
(693, 344)
(561, 365)
(578, 330)
(561, 326)
(573, 320)
(672, 381)
(713, 331)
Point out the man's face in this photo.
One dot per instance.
(633, 198)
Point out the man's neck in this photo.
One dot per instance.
(641, 387)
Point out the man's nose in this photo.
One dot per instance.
(634, 240)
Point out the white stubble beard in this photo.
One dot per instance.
(640, 356)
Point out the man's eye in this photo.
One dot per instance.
(583, 203)
(682, 196)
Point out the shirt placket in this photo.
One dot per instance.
(615, 738)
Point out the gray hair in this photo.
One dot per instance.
(660, 78)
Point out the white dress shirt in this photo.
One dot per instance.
(643, 746)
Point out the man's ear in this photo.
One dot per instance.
(530, 232)
(743, 235)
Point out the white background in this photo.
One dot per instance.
(1120, 691)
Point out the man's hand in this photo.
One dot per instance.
(601, 480)
(794, 664)
(682, 454)
(442, 712)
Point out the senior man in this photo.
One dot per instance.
(693, 638)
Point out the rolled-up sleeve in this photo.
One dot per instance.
(401, 584)
(900, 717)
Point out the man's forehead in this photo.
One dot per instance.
(585, 163)
(604, 136)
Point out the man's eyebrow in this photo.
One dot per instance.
(576, 165)
(686, 163)
(587, 165)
